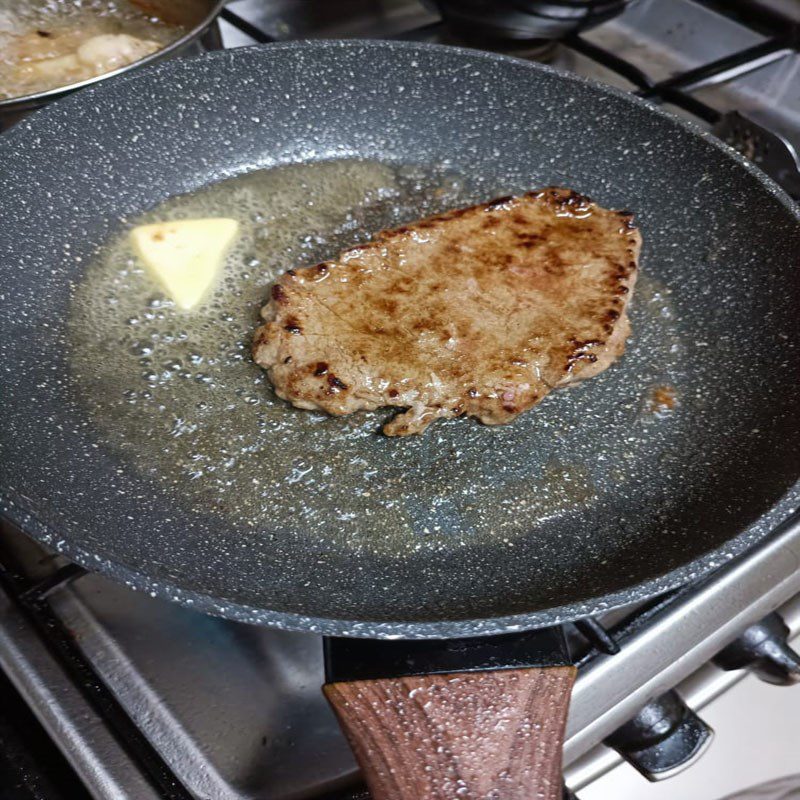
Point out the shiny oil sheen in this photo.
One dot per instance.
(177, 394)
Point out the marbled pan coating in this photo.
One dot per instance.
(587, 503)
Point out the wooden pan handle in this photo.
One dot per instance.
(461, 736)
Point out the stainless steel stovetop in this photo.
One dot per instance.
(151, 700)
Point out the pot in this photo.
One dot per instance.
(202, 34)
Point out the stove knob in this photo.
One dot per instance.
(664, 738)
(763, 649)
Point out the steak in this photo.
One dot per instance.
(479, 311)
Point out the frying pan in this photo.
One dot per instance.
(585, 503)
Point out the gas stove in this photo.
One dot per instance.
(142, 699)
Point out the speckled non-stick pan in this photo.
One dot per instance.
(588, 501)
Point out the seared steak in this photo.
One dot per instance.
(480, 311)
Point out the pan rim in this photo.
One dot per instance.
(323, 44)
(205, 603)
(18, 513)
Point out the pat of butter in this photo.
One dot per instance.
(185, 256)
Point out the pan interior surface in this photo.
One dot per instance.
(322, 522)
(178, 396)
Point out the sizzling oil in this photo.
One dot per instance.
(177, 391)
(177, 394)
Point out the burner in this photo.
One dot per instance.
(525, 19)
